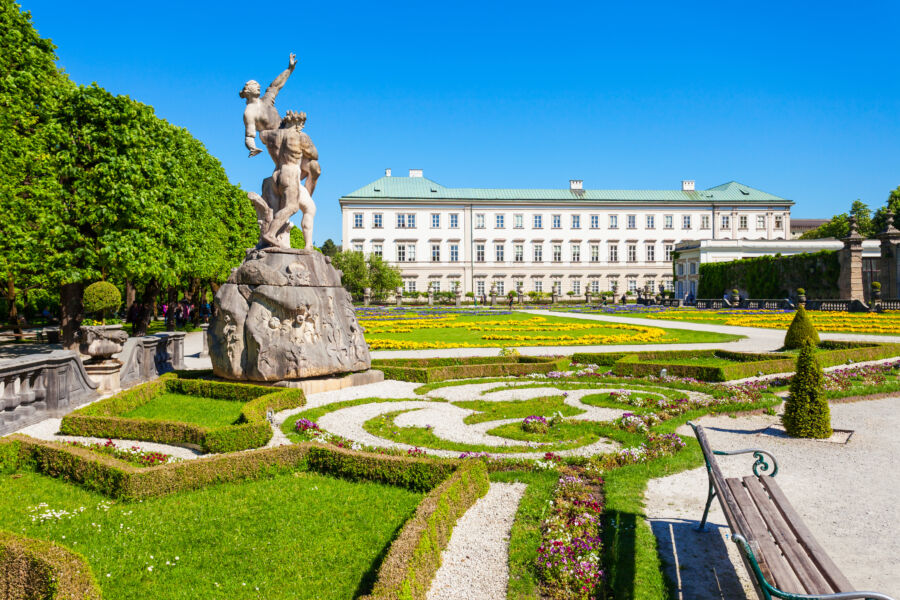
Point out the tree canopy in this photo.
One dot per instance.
(869, 226)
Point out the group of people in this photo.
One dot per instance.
(180, 312)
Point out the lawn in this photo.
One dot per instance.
(412, 330)
(207, 412)
(293, 536)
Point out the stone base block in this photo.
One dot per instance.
(330, 384)
(106, 374)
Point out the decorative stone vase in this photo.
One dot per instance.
(100, 342)
(876, 293)
(284, 315)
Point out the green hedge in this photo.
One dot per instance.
(38, 569)
(773, 276)
(430, 370)
(415, 556)
(102, 419)
(603, 359)
(120, 480)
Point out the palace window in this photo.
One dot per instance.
(538, 285)
(557, 221)
(576, 286)
(613, 253)
(454, 252)
(704, 221)
(632, 284)
(519, 221)
(498, 285)
(435, 220)
(479, 252)
(378, 250)
(668, 222)
(357, 220)
(595, 252)
(454, 221)
(435, 253)
(726, 222)
(613, 221)
(479, 287)
(651, 222)
(557, 252)
(760, 221)
(632, 253)
(406, 221)
(409, 285)
(537, 222)
(595, 221)
(576, 252)
(377, 221)
(686, 221)
(779, 222)
(631, 221)
(670, 248)
(651, 253)
(576, 222)
(498, 252)
(742, 222)
(518, 252)
(479, 221)
(538, 253)
(498, 221)
(358, 248)
(595, 286)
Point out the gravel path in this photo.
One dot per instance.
(475, 564)
(846, 494)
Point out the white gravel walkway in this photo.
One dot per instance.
(475, 564)
(846, 494)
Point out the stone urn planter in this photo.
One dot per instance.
(100, 342)
(801, 296)
(876, 290)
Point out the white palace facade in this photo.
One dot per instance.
(572, 239)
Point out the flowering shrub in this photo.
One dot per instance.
(416, 452)
(133, 454)
(569, 555)
(638, 423)
(303, 425)
(535, 424)
(474, 455)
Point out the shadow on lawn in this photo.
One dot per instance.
(369, 577)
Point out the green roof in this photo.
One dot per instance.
(420, 188)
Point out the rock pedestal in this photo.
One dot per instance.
(283, 315)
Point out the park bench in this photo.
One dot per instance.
(778, 549)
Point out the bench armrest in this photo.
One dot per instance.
(759, 455)
(741, 541)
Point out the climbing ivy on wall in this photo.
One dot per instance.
(773, 276)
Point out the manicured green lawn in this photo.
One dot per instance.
(293, 536)
(516, 409)
(313, 414)
(516, 329)
(209, 412)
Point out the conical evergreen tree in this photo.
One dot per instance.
(806, 412)
(800, 330)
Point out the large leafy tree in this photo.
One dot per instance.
(31, 87)
(360, 273)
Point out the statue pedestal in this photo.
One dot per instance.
(283, 315)
(105, 373)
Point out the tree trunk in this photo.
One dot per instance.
(13, 311)
(129, 294)
(171, 301)
(147, 307)
(72, 309)
(199, 301)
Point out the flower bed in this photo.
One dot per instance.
(132, 455)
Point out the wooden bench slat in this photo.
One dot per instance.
(804, 536)
(805, 569)
(778, 572)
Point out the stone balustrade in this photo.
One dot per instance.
(148, 357)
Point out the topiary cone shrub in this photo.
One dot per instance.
(101, 298)
(801, 329)
(806, 412)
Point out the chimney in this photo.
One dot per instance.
(576, 184)
(687, 185)
(415, 173)
(387, 172)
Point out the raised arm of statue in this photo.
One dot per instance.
(275, 86)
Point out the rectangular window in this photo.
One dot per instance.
(557, 222)
(454, 252)
(479, 221)
(693, 266)
(670, 248)
(726, 222)
(576, 252)
(519, 221)
(436, 285)
(651, 285)
(377, 221)
(595, 252)
(435, 253)
(742, 222)
(498, 252)
(595, 221)
(651, 222)
(704, 221)
(401, 221)
(760, 221)
(651, 253)
(498, 222)
(454, 221)
(557, 252)
(479, 252)
(613, 221)
(409, 285)
(668, 222)
(576, 222)
(779, 222)
(519, 252)
(435, 220)
(632, 253)
(686, 221)
(538, 252)
(632, 284)
(411, 253)
(498, 285)
(401, 252)
(406, 220)
(357, 220)
(357, 247)
(479, 287)
(538, 222)
(595, 286)
(613, 253)
(557, 286)
(631, 221)
(576, 286)
(538, 285)
(378, 250)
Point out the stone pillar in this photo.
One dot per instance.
(367, 296)
(850, 282)
(554, 297)
(888, 265)
(521, 296)
(458, 295)
(587, 296)
(399, 294)
(430, 297)
(204, 353)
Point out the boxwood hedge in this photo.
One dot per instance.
(429, 370)
(32, 568)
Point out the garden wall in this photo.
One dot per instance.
(773, 276)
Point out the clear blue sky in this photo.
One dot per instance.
(800, 99)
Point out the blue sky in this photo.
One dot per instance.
(800, 99)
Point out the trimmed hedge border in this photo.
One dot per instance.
(745, 364)
(430, 370)
(120, 480)
(415, 556)
(102, 419)
(32, 568)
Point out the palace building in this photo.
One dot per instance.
(571, 239)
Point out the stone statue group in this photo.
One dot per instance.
(296, 159)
